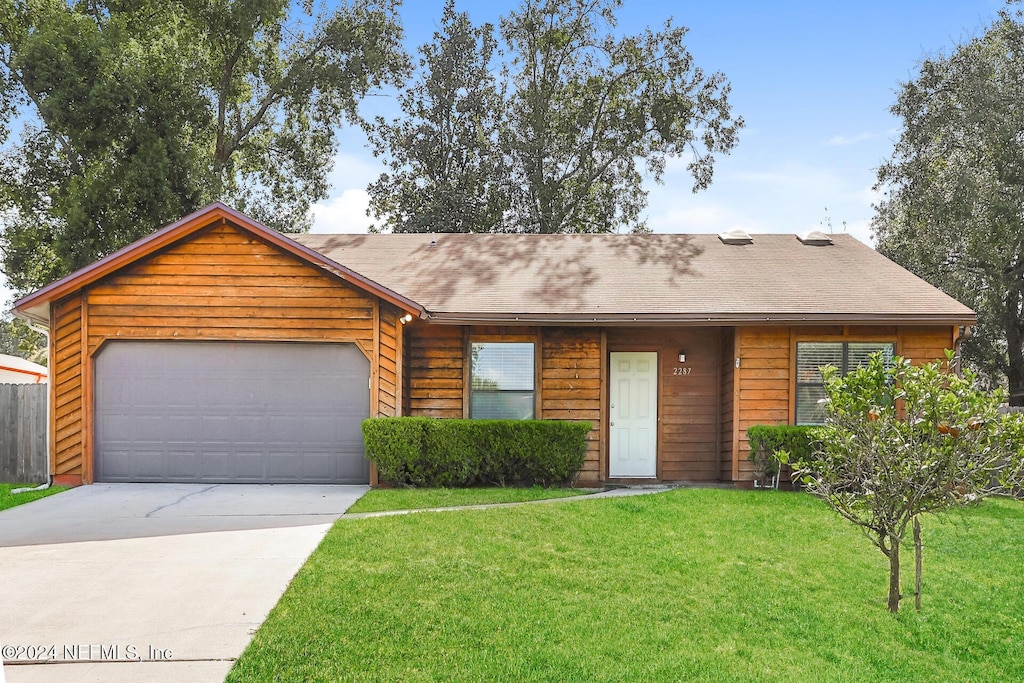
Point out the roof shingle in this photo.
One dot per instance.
(657, 277)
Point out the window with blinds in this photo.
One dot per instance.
(501, 381)
(812, 356)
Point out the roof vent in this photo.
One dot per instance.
(815, 238)
(735, 236)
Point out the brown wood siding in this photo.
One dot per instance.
(688, 429)
(764, 379)
(66, 375)
(388, 403)
(224, 284)
(434, 360)
(766, 374)
(570, 387)
(926, 344)
(726, 391)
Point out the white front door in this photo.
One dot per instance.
(633, 405)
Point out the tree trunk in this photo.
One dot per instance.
(894, 575)
(1014, 349)
(917, 563)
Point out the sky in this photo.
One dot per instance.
(814, 81)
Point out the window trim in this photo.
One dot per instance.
(895, 340)
(470, 340)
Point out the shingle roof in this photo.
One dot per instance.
(658, 277)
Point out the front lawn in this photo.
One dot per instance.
(9, 500)
(694, 584)
(380, 500)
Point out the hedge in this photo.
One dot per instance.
(767, 440)
(424, 451)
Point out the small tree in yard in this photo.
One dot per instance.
(900, 441)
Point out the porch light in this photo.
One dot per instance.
(682, 356)
(406, 318)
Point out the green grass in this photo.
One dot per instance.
(381, 500)
(9, 500)
(690, 585)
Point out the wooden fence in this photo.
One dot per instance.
(23, 433)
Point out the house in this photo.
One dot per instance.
(218, 350)
(14, 370)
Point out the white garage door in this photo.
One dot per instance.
(230, 412)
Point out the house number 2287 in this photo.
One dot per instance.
(681, 371)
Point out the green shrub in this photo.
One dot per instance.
(423, 451)
(767, 440)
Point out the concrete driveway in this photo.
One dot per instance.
(151, 582)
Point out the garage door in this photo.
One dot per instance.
(225, 412)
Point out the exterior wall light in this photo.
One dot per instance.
(682, 356)
(405, 318)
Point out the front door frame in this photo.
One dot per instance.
(657, 415)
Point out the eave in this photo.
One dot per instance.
(697, 319)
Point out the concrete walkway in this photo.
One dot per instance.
(151, 582)
(609, 493)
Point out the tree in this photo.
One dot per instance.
(446, 172)
(18, 339)
(134, 114)
(557, 140)
(954, 213)
(900, 441)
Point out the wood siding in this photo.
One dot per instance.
(66, 380)
(763, 384)
(389, 396)
(434, 370)
(926, 344)
(766, 377)
(727, 369)
(689, 434)
(221, 283)
(570, 387)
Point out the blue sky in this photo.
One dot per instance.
(814, 81)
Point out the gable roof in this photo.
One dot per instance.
(651, 278)
(36, 306)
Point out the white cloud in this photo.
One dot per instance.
(343, 213)
(354, 170)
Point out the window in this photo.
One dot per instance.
(501, 381)
(811, 356)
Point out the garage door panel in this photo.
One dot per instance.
(190, 411)
(249, 465)
(215, 465)
(219, 429)
(180, 462)
(146, 462)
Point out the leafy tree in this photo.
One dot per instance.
(136, 113)
(18, 339)
(557, 140)
(954, 213)
(900, 441)
(446, 172)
